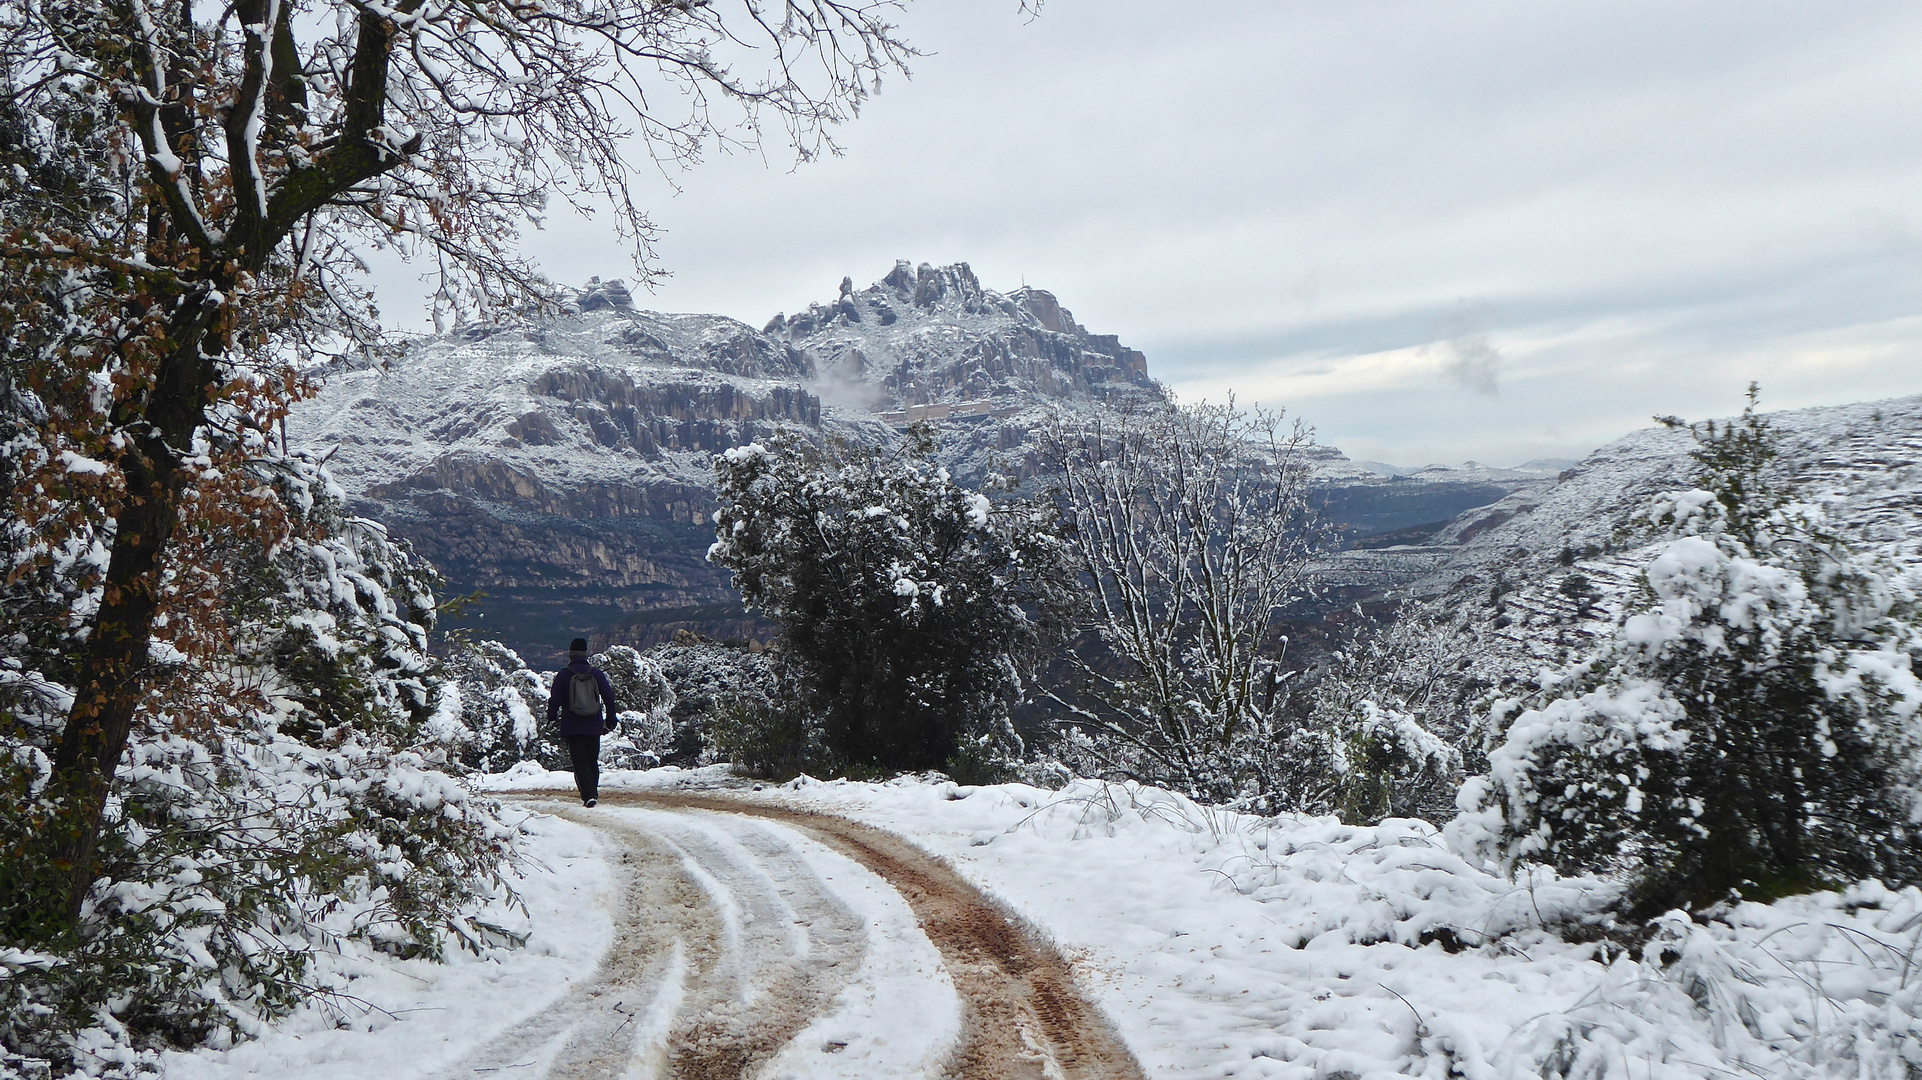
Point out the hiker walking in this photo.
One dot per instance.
(583, 701)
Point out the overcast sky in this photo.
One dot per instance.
(1436, 229)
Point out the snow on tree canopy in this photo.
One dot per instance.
(900, 596)
(1750, 728)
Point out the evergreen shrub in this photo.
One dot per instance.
(1752, 725)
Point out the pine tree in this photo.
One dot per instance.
(1752, 728)
(908, 605)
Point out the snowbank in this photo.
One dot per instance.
(390, 1019)
(1228, 945)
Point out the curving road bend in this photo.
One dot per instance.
(764, 943)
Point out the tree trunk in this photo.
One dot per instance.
(113, 675)
(112, 680)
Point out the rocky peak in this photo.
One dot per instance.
(1046, 310)
(925, 334)
(953, 284)
(597, 295)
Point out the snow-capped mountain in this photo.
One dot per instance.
(932, 334)
(1536, 469)
(563, 465)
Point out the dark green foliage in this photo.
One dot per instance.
(778, 739)
(903, 599)
(1734, 465)
(1581, 590)
(1752, 728)
(711, 680)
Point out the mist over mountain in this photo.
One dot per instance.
(562, 466)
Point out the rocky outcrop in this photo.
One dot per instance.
(932, 334)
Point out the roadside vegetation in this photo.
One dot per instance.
(1746, 724)
(225, 745)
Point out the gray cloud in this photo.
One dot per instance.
(1463, 351)
(1662, 199)
(1470, 361)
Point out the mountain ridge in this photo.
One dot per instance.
(562, 465)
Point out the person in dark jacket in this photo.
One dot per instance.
(585, 709)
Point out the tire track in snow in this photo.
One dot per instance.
(725, 947)
(787, 945)
(1025, 1018)
(735, 959)
(614, 1022)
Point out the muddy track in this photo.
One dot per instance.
(1023, 1015)
(730, 945)
(725, 947)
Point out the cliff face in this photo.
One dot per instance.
(563, 467)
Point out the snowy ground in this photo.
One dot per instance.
(1219, 945)
(1222, 945)
(398, 1019)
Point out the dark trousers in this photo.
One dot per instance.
(585, 752)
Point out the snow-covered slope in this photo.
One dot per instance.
(1505, 565)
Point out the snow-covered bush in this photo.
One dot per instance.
(1377, 733)
(662, 700)
(905, 601)
(284, 787)
(715, 687)
(773, 737)
(1384, 764)
(646, 703)
(1753, 727)
(230, 860)
(335, 619)
(502, 702)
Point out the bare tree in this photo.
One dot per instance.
(187, 190)
(1192, 530)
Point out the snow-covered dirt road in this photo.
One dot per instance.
(659, 935)
(754, 941)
